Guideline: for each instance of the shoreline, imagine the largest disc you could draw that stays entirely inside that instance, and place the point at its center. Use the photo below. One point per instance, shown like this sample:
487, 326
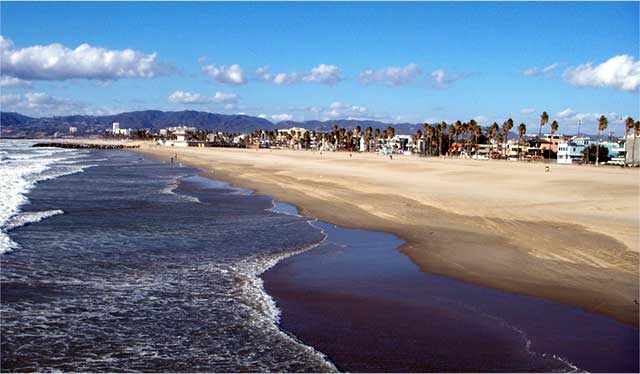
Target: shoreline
319, 301
536, 276
328, 304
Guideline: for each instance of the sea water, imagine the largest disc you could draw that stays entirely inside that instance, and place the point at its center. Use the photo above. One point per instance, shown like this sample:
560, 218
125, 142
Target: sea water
114, 262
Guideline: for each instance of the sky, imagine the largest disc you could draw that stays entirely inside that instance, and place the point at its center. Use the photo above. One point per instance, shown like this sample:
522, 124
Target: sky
393, 62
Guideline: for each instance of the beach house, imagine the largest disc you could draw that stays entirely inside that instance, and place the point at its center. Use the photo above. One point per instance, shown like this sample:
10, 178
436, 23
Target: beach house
632, 150
571, 151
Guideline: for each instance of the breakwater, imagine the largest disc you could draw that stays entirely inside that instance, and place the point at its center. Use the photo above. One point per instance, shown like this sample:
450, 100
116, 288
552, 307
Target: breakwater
85, 145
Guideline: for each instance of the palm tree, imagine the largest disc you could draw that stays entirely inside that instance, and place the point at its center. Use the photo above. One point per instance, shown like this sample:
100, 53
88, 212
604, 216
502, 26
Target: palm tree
602, 125
471, 128
458, 129
522, 129
418, 137
441, 127
506, 127
477, 132
554, 128
429, 130
493, 131
451, 132
636, 132
628, 125
544, 118
391, 132
427, 134
499, 138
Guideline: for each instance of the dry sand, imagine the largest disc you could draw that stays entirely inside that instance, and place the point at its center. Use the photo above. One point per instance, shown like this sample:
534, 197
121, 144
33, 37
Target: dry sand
570, 235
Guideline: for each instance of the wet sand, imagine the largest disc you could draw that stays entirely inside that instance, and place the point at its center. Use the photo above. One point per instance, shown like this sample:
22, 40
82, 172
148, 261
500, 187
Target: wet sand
570, 235
368, 307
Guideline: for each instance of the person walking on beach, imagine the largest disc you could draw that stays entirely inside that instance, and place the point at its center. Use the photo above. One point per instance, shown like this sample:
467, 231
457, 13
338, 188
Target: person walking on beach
172, 160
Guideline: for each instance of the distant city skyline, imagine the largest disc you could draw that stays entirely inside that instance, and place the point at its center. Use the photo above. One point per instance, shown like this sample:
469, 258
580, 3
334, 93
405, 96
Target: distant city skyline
406, 62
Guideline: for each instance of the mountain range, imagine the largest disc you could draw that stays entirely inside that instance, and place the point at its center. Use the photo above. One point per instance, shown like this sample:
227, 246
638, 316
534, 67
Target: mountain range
16, 124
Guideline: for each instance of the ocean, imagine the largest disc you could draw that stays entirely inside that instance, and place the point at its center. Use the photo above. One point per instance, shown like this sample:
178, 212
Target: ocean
110, 261
136, 265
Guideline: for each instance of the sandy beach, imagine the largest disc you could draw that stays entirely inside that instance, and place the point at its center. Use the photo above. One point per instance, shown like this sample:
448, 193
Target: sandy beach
568, 235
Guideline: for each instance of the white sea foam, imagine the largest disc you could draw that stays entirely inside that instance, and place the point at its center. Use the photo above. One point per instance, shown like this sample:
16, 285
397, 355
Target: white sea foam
256, 267
252, 268
21, 167
25, 218
170, 190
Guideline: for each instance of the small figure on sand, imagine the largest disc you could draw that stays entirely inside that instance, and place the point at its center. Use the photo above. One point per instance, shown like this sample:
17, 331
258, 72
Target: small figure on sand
172, 160
390, 157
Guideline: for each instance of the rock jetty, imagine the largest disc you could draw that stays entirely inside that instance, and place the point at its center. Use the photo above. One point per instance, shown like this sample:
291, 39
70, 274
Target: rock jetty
85, 145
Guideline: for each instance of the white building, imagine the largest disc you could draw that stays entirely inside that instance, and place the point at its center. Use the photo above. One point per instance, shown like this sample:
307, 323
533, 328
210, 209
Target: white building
632, 150
571, 151
73, 129
116, 130
402, 144
177, 128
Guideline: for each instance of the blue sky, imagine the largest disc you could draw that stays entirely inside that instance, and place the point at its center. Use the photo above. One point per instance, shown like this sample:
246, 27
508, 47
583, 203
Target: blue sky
406, 62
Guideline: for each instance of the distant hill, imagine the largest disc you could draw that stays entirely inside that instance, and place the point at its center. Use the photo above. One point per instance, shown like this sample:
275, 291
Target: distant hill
148, 119
15, 124
13, 119
18, 125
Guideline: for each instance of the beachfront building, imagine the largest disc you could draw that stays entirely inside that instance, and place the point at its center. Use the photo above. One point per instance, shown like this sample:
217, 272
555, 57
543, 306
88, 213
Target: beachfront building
632, 150
570, 152
117, 130
551, 142
615, 148
169, 130
402, 144
293, 138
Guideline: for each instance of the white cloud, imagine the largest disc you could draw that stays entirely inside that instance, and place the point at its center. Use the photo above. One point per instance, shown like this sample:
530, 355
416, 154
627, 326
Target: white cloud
222, 97
103, 83
565, 113
324, 74
480, 118
338, 110
391, 76
41, 104
228, 75
10, 100
57, 62
550, 68
547, 70
12, 82
182, 97
568, 119
281, 117
527, 110
442, 79
621, 72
